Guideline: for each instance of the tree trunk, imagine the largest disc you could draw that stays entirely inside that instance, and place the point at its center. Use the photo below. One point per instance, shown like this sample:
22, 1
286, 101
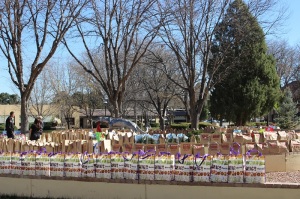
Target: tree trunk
161, 122
24, 115
194, 119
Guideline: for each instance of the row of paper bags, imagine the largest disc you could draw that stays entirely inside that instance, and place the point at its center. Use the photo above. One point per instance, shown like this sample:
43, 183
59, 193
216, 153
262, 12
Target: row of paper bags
138, 166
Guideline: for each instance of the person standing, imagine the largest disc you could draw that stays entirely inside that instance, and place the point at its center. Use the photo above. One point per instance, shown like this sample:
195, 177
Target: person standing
9, 125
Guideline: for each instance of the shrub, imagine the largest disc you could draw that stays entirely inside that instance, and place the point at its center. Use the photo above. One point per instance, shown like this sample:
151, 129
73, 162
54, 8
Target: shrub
180, 126
204, 124
154, 125
2, 127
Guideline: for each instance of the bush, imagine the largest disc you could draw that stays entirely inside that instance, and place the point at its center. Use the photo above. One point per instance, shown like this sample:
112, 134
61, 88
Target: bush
180, 126
204, 124
153, 125
2, 127
47, 126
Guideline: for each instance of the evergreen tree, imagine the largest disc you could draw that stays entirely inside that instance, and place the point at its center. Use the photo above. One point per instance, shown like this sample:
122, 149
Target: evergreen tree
287, 111
251, 84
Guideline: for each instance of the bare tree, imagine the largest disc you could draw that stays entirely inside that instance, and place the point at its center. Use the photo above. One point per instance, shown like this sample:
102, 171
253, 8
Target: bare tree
121, 32
41, 97
88, 96
64, 82
287, 61
157, 90
189, 32
30, 33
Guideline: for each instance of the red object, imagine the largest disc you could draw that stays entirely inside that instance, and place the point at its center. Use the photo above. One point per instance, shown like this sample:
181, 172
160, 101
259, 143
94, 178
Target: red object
269, 129
98, 127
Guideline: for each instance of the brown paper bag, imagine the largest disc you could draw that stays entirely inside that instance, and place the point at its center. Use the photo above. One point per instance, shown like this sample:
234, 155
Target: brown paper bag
127, 147
198, 149
274, 147
225, 148
117, 147
239, 138
138, 147
173, 149
205, 138
282, 136
295, 146
213, 148
216, 137
148, 147
227, 138
186, 148
161, 148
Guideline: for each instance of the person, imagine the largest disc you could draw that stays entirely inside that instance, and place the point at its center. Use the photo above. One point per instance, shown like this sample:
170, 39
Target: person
42, 122
9, 125
35, 130
99, 127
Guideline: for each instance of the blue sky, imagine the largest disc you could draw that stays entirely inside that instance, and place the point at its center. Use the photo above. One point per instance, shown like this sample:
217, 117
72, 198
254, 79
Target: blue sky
291, 30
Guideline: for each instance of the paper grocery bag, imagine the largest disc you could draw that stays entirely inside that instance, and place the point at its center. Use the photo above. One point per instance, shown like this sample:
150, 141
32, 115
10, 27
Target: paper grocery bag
72, 167
227, 138
146, 166
263, 148
255, 169
127, 147
42, 164
16, 163
225, 148
28, 164
216, 138
103, 166
205, 138
295, 145
150, 147
57, 165
184, 166
5, 162
213, 148
164, 166
198, 149
186, 148
88, 165
131, 165
117, 148
117, 165
235, 169
173, 149
219, 168
161, 148
201, 172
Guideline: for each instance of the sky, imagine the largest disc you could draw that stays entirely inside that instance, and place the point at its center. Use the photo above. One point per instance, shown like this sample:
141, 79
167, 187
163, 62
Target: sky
290, 33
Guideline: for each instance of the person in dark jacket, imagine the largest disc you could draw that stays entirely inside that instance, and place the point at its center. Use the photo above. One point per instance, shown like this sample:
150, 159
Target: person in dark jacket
9, 125
35, 130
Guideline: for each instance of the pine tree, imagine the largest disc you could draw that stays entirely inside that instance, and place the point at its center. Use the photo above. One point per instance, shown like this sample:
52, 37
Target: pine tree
251, 84
287, 111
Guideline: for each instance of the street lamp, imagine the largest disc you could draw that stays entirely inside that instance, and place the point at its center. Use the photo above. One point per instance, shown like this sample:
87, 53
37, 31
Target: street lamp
105, 104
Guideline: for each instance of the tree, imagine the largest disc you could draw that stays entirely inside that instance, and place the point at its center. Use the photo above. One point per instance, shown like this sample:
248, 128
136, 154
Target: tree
41, 96
287, 61
157, 90
251, 88
188, 31
287, 111
119, 33
30, 34
6, 98
65, 82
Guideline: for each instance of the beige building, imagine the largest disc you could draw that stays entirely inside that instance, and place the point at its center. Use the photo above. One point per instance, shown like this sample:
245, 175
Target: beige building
50, 113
